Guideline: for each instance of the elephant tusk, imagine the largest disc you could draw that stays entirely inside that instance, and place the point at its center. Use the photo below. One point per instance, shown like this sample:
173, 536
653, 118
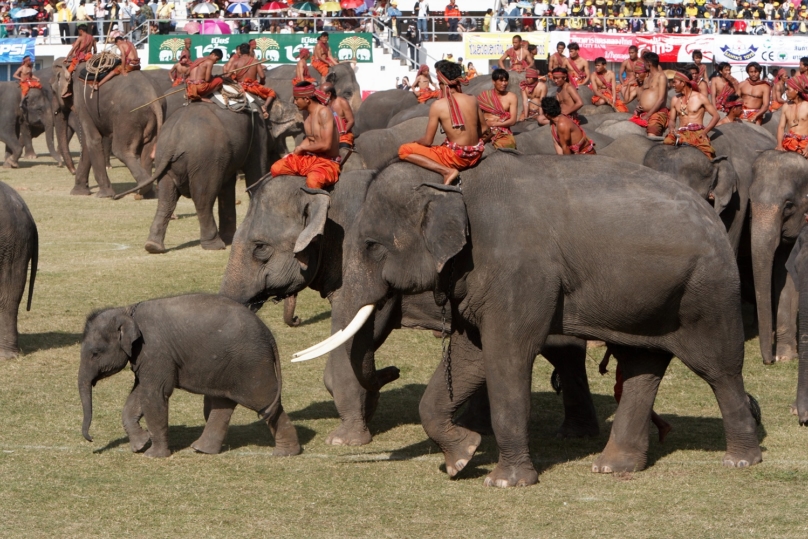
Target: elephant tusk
337, 339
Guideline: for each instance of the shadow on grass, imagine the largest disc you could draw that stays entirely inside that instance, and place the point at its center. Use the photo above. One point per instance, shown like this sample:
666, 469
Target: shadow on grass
319, 317
34, 342
185, 245
182, 436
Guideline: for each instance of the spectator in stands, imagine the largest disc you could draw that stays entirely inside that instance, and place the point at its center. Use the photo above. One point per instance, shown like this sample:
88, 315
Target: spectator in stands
63, 17
100, 13
452, 16
487, 20
164, 17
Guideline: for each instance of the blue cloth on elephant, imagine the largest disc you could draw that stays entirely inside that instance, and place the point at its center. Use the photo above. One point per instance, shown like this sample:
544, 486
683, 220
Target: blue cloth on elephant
797, 259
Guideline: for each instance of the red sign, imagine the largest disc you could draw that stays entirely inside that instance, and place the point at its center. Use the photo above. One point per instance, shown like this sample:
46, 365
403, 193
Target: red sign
614, 47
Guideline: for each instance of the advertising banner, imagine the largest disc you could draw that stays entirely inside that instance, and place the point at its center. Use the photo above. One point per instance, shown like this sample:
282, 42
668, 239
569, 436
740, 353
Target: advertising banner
491, 46
765, 50
614, 47
13, 50
270, 48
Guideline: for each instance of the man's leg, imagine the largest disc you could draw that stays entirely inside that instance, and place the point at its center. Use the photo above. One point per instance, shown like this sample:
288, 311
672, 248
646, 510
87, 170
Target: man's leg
449, 174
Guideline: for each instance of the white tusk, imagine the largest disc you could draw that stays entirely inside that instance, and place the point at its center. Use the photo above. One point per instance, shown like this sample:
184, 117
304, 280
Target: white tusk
337, 339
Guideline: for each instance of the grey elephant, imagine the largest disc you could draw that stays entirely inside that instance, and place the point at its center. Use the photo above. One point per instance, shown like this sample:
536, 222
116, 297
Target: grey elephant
778, 204
19, 245
109, 112
515, 263
202, 343
797, 265
20, 122
292, 237
539, 141
205, 170
380, 107
342, 75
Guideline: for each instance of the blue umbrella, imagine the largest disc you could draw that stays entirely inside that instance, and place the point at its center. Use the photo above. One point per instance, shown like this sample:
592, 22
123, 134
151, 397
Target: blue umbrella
524, 4
239, 9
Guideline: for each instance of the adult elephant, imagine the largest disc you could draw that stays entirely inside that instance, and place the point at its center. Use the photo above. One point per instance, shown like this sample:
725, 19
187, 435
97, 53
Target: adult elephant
292, 237
19, 123
798, 271
108, 112
380, 107
515, 262
539, 141
19, 245
778, 203
342, 75
194, 166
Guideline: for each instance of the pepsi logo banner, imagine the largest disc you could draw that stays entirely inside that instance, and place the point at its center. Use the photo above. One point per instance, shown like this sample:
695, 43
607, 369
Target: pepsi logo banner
13, 50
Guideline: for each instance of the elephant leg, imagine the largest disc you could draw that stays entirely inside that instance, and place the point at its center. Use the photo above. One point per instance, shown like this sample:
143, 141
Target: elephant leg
26, 140
154, 404
208, 231
131, 158
286, 442
92, 152
146, 158
9, 347
786, 332
106, 145
437, 408
13, 149
81, 186
289, 305
227, 211
166, 204
568, 356
132, 412
218, 412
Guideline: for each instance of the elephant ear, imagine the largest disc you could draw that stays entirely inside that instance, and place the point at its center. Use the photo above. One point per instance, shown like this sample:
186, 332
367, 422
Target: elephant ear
444, 222
128, 332
725, 183
315, 213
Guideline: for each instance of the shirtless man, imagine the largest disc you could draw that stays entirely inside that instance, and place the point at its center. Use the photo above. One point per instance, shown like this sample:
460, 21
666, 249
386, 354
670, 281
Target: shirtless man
702, 69
558, 59
688, 107
25, 74
652, 94
423, 87
628, 88
317, 157
343, 117
803, 68
778, 89
694, 73
577, 67
734, 105
81, 51
792, 132
461, 119
566, 95
200, 82
568, 137
302, 68
228, 65
723, 86
603, 87
518, 56
129, 61
322, 55
249, 72
499, 108
186, 51
533, 90
179, 71
756, 94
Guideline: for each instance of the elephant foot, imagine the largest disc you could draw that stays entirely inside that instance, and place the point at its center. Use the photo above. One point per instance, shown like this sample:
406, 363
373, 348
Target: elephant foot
105, 192
207, 446
10, 163
148, 195
80, 190
613, 460
349, 435
215, 244
785, 352
9, 354
742, 459
138, 441
158, 452
512, 476
154, 247
30, 155
459, 455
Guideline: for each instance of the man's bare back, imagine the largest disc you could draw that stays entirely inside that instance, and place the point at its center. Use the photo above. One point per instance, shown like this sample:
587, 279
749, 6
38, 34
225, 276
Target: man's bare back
255, 71
468, 135
318, 132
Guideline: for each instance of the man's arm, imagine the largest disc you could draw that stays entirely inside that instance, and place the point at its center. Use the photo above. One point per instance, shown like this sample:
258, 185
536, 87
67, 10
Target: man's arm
764, 107
16, 74
208, 71
672, 116
622, 70
587, 73
597, 89
714, 92
348, 112
501, 61
524, 105
485, 132
711, 110
173, 73
262, 77
513, 106
431, 126
577, 103
781, 127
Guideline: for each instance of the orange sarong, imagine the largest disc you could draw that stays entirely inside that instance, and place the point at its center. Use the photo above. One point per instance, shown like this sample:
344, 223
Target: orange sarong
26, 85
795, 143
503, 138
776, 105
128, 68
319, 171
692, 135
197, 89
178, 81
320, 66
254, 87
655, 125
425, 95
748, 114
619, 106
447, 154
346, 139
77, 59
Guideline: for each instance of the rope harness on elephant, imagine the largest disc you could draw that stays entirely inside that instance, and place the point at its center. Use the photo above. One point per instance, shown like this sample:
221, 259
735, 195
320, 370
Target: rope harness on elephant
101, 62
234, 97
446, 346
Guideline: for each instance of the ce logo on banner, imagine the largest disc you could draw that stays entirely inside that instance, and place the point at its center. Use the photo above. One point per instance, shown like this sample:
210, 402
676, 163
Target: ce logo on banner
767, 56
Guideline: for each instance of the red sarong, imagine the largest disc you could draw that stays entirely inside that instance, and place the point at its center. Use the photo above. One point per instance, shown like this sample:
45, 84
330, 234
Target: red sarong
447, 154
26, 85
320, 66
795, 143
748, 114
775, 106
128, 68
655, 125
319, 171
490, 103
178, 81
578, 75
77, 59
254, 87
425, 95
692, 135
197, 89
619, 106
346, 138
585, 147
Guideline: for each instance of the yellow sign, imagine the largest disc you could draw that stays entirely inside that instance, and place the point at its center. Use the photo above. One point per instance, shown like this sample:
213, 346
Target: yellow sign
488, 46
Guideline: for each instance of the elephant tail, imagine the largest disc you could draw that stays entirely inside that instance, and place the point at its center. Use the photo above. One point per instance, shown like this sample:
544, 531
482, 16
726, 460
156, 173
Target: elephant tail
157, 109
271, 412
34, 262
160, 168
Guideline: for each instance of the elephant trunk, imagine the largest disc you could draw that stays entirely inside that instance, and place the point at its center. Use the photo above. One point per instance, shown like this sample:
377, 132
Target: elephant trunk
61, 127
765, 231
86, 392
802, 378
48, 121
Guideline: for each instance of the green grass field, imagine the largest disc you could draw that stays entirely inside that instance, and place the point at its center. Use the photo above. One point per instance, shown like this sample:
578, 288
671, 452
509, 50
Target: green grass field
55, 484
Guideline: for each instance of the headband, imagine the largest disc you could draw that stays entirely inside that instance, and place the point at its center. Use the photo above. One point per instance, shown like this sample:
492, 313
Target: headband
731, 104
531, 73
687, 80
322, 97
304, 53
423, 70
799, 83
304, 90
455, 113
639, 67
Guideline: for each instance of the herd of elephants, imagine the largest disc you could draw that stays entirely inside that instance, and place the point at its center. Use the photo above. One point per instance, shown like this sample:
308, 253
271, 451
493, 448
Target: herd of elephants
650, 248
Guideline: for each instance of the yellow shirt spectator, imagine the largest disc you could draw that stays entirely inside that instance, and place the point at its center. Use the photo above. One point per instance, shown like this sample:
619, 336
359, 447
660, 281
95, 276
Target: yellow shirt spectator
691, 11
63, 14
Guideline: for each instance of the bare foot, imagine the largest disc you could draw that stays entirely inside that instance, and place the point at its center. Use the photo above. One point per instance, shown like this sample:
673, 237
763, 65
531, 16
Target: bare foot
265, 113
448, 179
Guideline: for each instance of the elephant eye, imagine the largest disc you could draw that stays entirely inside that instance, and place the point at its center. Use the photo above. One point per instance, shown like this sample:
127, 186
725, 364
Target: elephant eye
262, 251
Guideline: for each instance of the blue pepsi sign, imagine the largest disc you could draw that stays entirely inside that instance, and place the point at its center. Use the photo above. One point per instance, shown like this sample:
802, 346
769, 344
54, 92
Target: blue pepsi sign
13, 50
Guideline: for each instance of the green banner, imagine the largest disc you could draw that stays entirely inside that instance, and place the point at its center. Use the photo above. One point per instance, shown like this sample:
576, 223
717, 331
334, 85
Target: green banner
270, 48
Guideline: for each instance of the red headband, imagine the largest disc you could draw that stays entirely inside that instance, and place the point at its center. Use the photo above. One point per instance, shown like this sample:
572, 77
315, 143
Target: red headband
639, 67
423, 70
732, 104
304, 90
684, 78
304, 53
531, 73
322, 97
800, 84
455, 113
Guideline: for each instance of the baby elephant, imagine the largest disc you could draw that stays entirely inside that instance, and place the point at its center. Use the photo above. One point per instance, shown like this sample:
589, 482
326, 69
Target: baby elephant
201, 343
